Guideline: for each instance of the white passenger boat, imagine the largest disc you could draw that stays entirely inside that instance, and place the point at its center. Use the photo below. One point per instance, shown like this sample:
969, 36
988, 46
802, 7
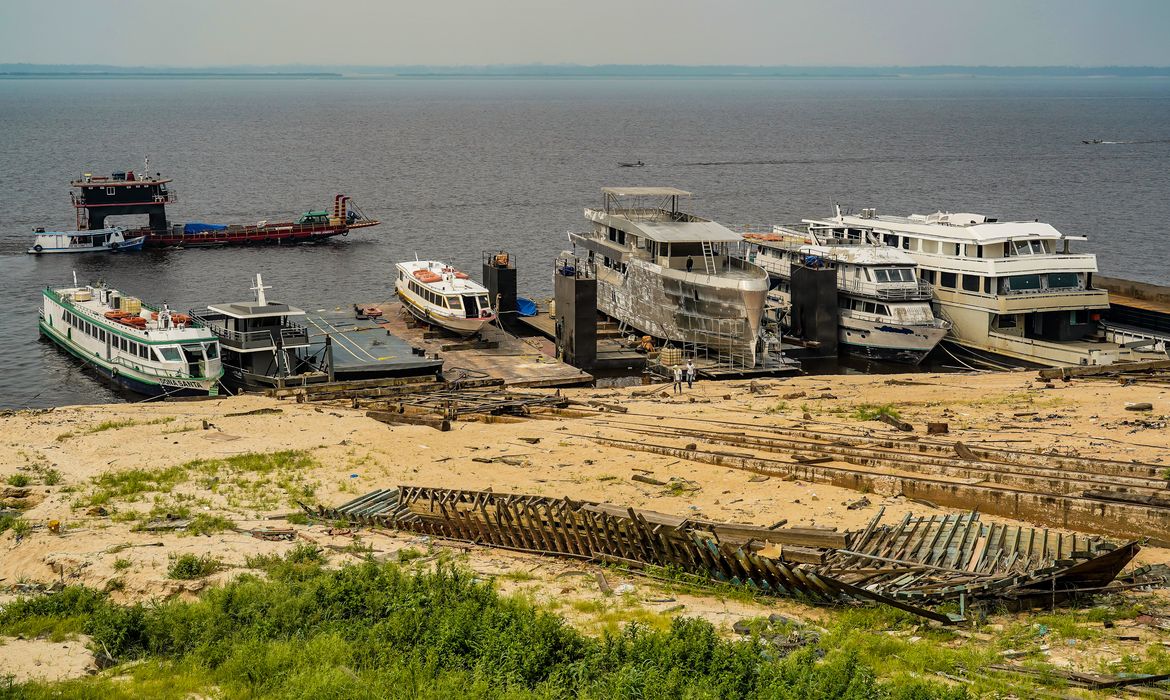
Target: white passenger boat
883, 308
670, 274
1011, 289
152, 351
442, 296
101, 240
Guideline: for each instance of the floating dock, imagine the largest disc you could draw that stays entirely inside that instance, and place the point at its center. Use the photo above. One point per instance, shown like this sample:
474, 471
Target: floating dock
363, 349
495, 354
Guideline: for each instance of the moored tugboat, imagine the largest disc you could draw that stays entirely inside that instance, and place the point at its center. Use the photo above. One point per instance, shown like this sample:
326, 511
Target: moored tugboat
121, 193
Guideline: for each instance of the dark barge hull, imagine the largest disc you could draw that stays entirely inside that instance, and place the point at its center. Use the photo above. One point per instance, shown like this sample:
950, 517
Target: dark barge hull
271, 234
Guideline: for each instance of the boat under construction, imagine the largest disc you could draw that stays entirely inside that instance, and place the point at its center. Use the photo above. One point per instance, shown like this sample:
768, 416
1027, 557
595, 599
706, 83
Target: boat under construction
128, 193
671, 275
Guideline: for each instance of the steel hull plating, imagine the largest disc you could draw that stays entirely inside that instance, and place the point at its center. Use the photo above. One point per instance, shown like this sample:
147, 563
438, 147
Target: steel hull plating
682, 308
125, 380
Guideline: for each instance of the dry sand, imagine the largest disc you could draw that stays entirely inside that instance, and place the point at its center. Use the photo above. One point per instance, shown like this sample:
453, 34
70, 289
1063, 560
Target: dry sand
355, 454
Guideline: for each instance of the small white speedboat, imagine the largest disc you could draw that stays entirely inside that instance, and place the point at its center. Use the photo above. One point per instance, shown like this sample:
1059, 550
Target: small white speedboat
442, 296
102, 240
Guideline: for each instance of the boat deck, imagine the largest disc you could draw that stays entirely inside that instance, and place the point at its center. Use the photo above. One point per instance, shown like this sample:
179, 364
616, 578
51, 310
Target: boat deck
503, 356
363, 349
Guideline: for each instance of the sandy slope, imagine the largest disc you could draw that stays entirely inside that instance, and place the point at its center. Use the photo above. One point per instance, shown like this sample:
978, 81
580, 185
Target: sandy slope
355, 454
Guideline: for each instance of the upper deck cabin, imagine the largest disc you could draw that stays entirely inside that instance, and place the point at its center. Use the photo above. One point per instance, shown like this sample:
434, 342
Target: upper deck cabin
863, 267
646, 224
257, 324
121, 193
1007, 266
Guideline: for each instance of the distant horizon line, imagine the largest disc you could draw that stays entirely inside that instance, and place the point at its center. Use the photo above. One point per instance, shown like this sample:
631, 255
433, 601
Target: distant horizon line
581, 70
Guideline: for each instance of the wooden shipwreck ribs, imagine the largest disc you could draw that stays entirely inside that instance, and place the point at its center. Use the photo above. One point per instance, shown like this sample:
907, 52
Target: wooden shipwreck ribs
916, 565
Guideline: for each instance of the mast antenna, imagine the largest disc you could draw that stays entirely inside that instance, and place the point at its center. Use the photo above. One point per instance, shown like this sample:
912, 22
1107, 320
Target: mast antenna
261, 300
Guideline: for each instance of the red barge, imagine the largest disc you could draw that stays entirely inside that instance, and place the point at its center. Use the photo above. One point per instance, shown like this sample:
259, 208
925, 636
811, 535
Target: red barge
124, 193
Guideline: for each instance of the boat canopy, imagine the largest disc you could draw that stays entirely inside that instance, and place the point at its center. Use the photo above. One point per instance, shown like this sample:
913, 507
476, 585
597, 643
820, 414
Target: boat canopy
200, 227
644, 192
684, 231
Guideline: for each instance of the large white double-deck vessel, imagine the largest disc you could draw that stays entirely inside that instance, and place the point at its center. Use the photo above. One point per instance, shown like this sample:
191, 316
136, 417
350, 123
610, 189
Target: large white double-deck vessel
883, 308
152, 351
671, 274
442, 296
1011, 289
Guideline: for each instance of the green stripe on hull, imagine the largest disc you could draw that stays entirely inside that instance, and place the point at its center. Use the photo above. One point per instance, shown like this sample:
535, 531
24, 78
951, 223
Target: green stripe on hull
110, 367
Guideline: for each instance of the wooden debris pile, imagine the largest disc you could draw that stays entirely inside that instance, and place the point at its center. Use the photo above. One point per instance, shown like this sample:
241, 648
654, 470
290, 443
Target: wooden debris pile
915, 565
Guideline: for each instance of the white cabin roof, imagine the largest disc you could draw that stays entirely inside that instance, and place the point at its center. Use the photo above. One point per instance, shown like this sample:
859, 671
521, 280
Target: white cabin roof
956, 227
251, 309
448, 282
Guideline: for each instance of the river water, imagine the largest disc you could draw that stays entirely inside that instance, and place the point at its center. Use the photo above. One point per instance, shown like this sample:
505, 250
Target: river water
454, 167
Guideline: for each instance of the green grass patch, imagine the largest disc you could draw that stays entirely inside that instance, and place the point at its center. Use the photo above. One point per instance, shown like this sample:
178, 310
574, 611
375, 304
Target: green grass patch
130, 484
113, 425
188, 567
869, 411
204, 524
18, 480
258, 481
375, 630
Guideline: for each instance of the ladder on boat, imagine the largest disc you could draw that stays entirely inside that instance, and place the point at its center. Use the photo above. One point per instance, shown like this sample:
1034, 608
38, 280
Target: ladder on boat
708, 257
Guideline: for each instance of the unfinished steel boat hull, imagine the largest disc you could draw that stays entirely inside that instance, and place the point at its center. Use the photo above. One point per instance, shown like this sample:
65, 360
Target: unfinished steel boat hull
686, 308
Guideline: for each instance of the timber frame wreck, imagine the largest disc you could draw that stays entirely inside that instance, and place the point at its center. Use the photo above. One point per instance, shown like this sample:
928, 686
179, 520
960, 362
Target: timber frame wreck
916, 565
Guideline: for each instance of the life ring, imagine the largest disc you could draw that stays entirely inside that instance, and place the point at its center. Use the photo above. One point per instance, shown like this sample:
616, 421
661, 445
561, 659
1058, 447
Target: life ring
38, 248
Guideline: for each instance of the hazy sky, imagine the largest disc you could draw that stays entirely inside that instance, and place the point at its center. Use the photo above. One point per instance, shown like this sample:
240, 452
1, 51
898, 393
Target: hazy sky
693, 32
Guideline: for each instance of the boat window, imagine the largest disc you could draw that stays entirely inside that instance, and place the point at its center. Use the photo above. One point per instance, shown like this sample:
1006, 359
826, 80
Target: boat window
211, 350
870, 307
987, 282
455, 303
693, 249
883, 309
1006, 321
971, 283
1021, 282
483, 302
1062, 280
868, 278
928, 276
170, 354
905, 243
1028, 247
947, 279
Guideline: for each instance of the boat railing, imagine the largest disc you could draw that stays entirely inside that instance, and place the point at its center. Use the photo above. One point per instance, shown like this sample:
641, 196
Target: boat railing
215, 323
920, 291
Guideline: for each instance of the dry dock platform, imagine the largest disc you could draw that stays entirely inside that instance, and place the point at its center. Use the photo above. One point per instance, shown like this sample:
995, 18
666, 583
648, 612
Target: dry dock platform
496, 354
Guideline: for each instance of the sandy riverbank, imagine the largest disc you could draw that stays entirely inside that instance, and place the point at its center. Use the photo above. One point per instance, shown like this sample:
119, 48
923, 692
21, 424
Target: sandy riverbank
104, 472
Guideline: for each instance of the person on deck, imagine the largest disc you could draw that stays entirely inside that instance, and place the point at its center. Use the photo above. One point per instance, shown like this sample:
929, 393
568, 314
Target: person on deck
690, 263
690, 373
678, 377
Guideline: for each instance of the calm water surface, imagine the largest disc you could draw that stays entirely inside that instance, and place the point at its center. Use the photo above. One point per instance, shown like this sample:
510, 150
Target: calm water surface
455, 167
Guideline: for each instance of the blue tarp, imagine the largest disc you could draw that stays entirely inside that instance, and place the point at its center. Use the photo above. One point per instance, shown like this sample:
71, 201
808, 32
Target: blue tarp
525, 307
200, 227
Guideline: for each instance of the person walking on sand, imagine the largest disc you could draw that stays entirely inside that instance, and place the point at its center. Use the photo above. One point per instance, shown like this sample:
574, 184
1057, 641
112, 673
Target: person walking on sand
690, 373
678, 376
